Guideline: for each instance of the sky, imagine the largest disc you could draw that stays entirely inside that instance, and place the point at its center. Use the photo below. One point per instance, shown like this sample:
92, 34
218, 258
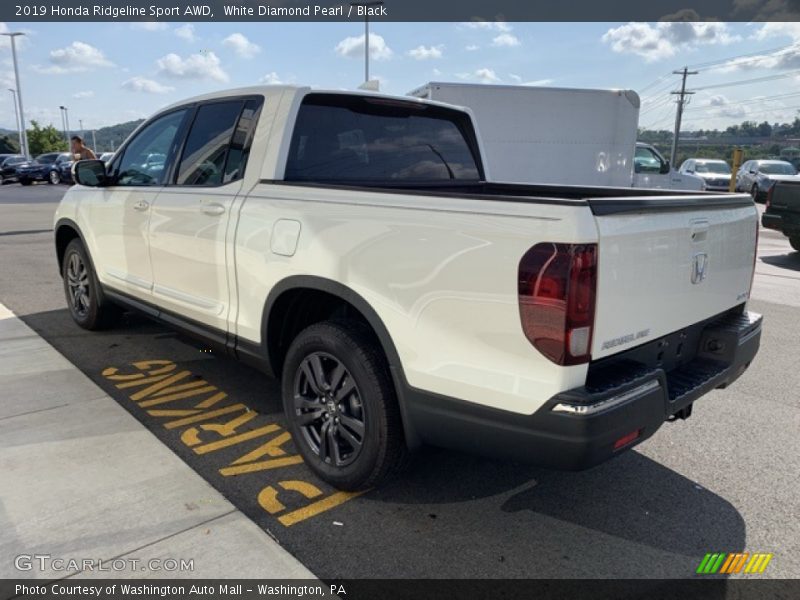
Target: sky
107, 73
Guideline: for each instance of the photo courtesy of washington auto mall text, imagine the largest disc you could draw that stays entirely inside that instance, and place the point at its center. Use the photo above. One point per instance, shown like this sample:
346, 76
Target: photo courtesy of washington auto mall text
399, 299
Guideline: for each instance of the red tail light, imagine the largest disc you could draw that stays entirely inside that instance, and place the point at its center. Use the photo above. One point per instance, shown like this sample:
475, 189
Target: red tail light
556, 289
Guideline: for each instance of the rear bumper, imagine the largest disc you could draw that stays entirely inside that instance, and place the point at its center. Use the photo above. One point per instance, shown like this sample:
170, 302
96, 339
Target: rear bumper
787, 224
579, 428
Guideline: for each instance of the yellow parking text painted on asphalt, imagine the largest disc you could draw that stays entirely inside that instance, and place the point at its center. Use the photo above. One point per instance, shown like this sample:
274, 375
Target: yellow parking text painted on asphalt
206, 421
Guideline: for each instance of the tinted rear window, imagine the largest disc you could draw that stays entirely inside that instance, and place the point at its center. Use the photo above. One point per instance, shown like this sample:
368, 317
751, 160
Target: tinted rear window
353, 138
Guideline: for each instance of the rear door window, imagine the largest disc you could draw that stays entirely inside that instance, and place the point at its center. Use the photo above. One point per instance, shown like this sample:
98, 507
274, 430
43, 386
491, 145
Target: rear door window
203, 160
355, 138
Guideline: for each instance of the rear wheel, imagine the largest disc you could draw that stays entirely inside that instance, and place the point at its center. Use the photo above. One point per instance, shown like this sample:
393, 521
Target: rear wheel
341, 405
25, 181
54, 178
83, 290
795, 242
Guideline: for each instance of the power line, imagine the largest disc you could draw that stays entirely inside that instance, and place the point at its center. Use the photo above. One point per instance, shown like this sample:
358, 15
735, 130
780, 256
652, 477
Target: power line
757, 55
748, 81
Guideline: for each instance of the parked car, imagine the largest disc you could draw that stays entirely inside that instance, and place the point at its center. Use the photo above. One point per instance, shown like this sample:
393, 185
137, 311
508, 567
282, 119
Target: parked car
37, 169
353, 246
652, 170
716, 173
8, 168
757, 176
61, 169
782, 211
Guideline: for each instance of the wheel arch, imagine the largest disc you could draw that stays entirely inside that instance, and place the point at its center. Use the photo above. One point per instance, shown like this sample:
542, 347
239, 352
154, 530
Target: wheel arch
281, 296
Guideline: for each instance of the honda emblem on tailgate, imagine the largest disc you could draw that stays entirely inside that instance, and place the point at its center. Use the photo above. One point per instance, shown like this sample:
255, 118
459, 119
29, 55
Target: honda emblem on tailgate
699, 265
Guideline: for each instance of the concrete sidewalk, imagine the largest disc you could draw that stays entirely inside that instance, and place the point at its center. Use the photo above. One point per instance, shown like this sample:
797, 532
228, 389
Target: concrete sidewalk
82, 479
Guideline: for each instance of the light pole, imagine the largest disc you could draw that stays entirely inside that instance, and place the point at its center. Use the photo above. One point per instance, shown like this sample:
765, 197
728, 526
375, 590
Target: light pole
65, 123
366, 6
16, 116
23, 141
80, 127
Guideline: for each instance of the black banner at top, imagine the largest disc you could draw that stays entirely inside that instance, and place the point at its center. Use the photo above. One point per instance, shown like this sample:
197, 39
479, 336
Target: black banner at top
399, 10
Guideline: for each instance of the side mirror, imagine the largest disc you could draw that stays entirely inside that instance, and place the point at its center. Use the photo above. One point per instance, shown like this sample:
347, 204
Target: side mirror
665, 168
91, 173
690, 171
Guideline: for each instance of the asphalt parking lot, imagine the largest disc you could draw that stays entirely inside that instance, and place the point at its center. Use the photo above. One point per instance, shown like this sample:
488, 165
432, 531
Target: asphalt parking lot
723, 481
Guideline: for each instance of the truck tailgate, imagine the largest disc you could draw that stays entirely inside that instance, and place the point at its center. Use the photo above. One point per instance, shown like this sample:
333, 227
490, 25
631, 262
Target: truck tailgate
666, 263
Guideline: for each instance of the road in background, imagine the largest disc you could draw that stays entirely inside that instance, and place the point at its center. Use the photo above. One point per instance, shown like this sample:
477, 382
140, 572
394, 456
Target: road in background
723, 481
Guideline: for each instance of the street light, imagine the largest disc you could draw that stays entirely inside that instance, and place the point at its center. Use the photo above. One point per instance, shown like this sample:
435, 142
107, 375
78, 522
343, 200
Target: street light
65, 123
366, 5
23, 141
16, 116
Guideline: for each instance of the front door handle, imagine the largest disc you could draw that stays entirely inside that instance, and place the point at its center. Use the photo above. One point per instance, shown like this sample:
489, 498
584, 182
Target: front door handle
141, 205
213, 209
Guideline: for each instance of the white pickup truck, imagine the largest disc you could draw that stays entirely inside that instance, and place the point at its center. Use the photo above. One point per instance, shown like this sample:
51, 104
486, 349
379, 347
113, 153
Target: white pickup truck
355, 246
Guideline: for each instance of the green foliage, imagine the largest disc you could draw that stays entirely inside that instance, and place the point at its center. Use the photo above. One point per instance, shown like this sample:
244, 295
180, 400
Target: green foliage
45, 139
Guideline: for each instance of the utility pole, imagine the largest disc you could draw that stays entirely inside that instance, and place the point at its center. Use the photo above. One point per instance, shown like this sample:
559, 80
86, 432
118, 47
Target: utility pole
16, 116
94, 142
682, 101
23, 140
63, 110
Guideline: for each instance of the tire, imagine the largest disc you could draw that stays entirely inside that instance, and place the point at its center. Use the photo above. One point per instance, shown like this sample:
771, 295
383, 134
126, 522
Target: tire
25, 181
82, 290
345, 421
2, 180
54, 178
795, 242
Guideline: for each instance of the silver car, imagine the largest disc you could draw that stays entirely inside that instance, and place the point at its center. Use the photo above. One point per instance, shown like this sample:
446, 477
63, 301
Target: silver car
716, 173
758, 176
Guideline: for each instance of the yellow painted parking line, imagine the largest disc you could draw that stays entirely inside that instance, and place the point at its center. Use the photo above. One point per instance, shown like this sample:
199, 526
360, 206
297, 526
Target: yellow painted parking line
197, 414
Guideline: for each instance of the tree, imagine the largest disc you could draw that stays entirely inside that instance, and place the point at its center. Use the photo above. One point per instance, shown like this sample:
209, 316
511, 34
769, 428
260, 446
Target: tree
44, 139
8, 145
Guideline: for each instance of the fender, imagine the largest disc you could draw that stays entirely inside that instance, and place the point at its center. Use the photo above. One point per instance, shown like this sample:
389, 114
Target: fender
66, 222
340, 290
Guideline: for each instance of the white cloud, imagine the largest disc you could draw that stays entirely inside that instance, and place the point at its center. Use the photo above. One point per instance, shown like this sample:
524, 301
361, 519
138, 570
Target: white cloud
353, 47
147, 86
186, 32
271, 78
482, 75
426, 52
515, 77
488, 25
472, 48
536, 82
786, 58
436, 72
241, 45
203, 65
506, 40
75, 58
149, 26
664, 39
84, 94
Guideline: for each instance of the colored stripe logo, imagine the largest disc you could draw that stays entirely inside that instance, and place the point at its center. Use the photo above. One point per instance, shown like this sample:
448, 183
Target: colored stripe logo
734, 562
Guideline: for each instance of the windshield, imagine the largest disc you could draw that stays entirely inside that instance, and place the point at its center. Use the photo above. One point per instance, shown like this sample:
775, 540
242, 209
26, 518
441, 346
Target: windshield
713, 167
781, 168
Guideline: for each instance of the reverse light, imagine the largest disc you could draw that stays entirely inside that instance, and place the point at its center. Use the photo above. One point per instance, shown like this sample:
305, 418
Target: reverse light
556, 292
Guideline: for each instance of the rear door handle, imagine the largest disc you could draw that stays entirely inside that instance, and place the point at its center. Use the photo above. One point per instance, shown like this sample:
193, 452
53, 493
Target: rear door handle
213, 209
141, 205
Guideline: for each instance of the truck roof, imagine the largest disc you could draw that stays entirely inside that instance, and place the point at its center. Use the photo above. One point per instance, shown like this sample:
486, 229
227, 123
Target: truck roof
276, 90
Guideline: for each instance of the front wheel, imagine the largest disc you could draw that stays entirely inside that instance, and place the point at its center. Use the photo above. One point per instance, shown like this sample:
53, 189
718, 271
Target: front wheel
55, 178
341, 405
25, 181
795, 242
83, 290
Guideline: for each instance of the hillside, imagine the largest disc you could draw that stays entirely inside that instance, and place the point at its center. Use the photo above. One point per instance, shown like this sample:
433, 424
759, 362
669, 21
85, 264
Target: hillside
108, 138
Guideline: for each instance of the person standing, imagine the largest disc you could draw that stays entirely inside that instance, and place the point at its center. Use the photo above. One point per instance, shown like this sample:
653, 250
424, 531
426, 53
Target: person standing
79, 150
